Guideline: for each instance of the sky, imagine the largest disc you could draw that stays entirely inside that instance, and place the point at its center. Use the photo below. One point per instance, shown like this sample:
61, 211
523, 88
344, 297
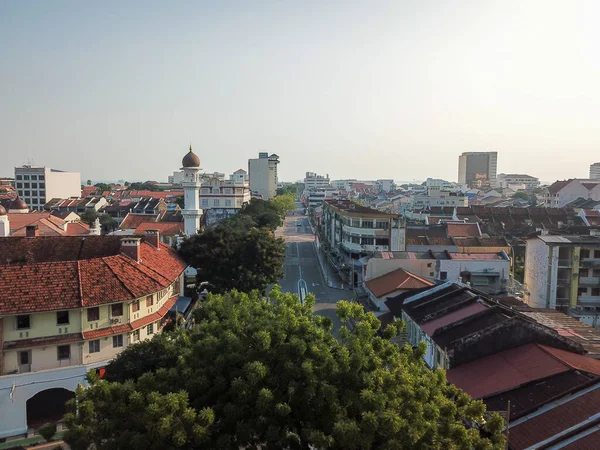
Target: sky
371, 89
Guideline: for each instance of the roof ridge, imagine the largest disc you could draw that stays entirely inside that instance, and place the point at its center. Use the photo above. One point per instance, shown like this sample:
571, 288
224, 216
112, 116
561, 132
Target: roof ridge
545, 348
150, 268
115, 273
79, 286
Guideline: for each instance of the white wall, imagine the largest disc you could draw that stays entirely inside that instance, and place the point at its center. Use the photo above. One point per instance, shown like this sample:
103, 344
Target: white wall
536, 273
62, 184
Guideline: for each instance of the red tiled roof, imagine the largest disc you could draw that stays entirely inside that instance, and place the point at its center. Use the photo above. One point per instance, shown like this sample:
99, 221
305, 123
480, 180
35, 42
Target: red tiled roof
557, 419
48, 225
590, 186
591, 213
132, 221
463, 230
36, 342
555, 187
47, 275
430, 327
102, 332
511, 368
397, 279
166, 228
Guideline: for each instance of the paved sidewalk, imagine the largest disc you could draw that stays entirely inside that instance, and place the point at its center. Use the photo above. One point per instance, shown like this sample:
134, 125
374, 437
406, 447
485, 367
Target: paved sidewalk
332, 279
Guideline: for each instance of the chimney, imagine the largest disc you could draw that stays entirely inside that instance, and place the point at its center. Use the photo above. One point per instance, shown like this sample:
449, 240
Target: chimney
130, 247
32, 231
152, 237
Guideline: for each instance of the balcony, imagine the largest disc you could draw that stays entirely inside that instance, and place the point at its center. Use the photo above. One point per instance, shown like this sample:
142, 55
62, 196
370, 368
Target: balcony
589, 281
590, 262
371, 232
588, 300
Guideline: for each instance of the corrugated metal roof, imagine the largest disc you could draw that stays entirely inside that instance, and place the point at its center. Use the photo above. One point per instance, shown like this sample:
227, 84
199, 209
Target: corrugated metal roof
505, 370
430, 327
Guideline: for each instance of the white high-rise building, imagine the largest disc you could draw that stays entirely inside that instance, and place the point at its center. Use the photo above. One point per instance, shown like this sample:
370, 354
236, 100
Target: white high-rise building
476, 167
191, 193
263, 175
595, 171
314, 181
38, 185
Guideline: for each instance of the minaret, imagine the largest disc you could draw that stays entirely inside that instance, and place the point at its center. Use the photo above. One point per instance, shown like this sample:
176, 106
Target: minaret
191, 192
4, 223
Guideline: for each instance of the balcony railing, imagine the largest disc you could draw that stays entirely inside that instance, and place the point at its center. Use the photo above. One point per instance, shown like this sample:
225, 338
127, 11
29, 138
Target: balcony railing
589, 281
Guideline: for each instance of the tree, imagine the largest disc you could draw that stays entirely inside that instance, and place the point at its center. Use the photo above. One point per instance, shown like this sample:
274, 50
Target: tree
235, 255
89, 216
267, 373
89, 182
108, 223
283, 203
145, 186
47, 431
264, 214
179, 200
103, 187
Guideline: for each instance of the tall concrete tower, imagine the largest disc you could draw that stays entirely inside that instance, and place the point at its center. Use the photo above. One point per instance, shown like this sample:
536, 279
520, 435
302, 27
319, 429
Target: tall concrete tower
191, 192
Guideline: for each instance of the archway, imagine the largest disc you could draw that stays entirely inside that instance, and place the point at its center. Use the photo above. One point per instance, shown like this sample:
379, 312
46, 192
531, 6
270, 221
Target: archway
47, 406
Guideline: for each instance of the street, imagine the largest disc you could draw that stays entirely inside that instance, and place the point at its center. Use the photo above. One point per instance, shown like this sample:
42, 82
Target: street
302, 272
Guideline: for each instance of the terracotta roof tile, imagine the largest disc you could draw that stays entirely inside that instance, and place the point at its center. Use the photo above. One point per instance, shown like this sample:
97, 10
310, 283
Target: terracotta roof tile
395, 280
102, 332
132, 221
165, 228
463, 230
47, 274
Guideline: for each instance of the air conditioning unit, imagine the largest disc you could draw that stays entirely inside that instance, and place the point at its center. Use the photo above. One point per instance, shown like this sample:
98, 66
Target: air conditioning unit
114, 320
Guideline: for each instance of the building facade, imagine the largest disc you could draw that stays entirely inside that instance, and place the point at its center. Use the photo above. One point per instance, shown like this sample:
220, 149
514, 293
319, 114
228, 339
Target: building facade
563, 272
350, 231
313, 181
86, 300
262, 172
595, 171
437, 196
475, 167
509, 180
37, 185
561, 193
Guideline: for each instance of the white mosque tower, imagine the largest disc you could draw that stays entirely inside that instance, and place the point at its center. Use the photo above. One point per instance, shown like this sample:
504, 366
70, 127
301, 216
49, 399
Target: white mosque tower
191, 191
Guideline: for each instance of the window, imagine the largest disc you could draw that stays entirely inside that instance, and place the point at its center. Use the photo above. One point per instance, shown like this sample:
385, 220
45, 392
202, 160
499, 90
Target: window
367, 241
23, 322
596, 292
26, 193
205, 202
583, 273
94, 346
443, 275
136, 335
367, 224
582, 291
116, 309
64, 352
41, 177
596, 273
93, 314
150, 329
216, 191
34, 177
19, 177
227, 202
118, 341
26, 186
217, 202
19, 186
135, 306
62, 317
23, 357
585, 253
26, 177
33, 185
149, 301
206, 190
42, 185
227, 191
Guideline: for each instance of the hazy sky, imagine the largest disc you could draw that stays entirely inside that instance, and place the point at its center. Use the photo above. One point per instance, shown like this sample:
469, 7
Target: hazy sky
365, 89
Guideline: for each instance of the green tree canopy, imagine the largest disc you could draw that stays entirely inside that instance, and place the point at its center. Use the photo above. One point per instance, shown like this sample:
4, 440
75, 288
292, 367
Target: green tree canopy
235, 255
266, 374
89, 216
283, 203
103, 187
108, 223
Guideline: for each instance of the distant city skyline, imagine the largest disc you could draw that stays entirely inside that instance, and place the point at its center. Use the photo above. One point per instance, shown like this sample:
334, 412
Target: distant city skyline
356, 89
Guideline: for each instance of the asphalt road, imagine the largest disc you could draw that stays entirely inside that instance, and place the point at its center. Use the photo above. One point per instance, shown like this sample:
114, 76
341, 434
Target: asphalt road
302, 271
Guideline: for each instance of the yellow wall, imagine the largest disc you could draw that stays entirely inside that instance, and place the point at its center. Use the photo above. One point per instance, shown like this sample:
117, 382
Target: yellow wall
41, 325
42, 358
